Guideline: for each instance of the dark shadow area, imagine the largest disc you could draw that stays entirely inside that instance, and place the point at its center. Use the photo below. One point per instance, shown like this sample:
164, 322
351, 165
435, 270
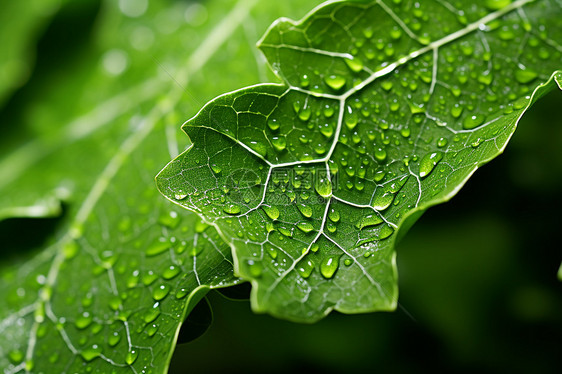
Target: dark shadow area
21, 236
66, 38
477, 274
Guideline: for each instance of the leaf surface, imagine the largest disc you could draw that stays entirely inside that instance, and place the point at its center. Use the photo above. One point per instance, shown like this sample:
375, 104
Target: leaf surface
112, 286
387, 108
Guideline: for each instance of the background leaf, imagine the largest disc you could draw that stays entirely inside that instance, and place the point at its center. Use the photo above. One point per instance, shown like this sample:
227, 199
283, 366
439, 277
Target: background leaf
309, 181
121, 269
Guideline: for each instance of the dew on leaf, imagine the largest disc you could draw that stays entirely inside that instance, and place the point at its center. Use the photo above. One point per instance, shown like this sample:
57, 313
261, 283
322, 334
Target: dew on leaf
91, 353
255, 268
305, 268
305, 227
231, 209
131, 356
161, 292
328, 266
473, 121
428, 162
335, 82
369, 220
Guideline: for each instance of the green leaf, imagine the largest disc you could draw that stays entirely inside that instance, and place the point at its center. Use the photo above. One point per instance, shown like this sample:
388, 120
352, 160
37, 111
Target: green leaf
17, 37
386, 109
111, 287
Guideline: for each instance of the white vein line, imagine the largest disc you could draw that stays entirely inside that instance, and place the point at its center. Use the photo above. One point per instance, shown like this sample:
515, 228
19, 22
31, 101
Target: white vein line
397, 20
434, 70
364, 206
311, 50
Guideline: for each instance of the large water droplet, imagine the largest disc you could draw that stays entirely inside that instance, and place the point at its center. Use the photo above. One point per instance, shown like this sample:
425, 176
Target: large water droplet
90, 353
329, 266
271, 211
323, 186
305, 268
335, 82
472, 122
255, 268
525, 76
369, 220
305, 227
428, 162
131, 356
231, 209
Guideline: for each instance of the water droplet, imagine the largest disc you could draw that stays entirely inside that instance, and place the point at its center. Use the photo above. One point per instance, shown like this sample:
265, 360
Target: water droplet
273, 124
335, 82
151, 314
442, 142
456, 110
525, 76
279, 143
472, 122
305, 210
385, 232
348, 262
323, 186
255, 268
369, 220
171, 272
180, 196
70, 249
329, 266
161, 292
169, 219
114, 339
327, 130
149, 277
354, 64
231, 209
497, 4
305, 227
271, 211
334, 215
382, 199
16, 356
305, 268
351, 118
380, 154
158, 247
83, 321
115, 303
90, 353
216, 169
305, 81
428, 162
131, 357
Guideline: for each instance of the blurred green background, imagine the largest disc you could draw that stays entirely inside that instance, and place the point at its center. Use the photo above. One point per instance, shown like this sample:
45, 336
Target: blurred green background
478, 285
